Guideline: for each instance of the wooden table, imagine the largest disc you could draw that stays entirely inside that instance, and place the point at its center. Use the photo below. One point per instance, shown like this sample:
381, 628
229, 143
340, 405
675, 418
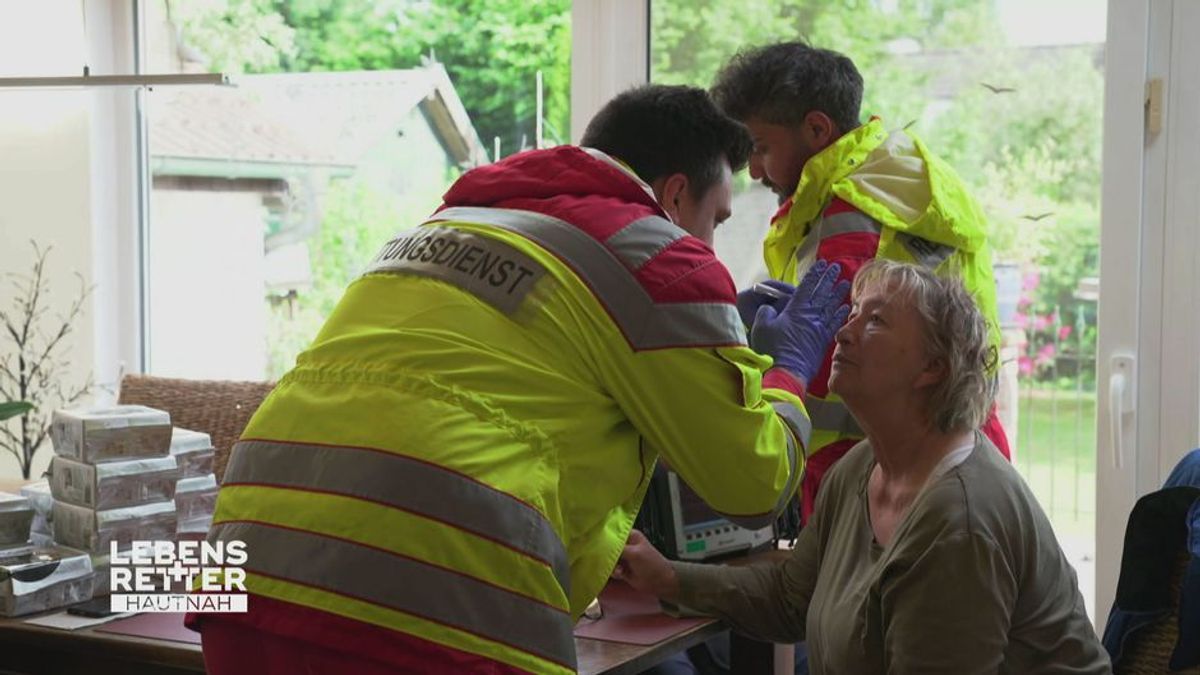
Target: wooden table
748, 657
599, 657
35, 650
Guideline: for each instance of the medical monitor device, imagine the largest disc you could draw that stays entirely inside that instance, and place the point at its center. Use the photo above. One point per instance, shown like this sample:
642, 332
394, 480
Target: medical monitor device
682, 527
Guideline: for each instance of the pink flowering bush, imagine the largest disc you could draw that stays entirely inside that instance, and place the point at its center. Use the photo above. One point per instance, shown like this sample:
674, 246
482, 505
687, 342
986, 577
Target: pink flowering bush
1049, 335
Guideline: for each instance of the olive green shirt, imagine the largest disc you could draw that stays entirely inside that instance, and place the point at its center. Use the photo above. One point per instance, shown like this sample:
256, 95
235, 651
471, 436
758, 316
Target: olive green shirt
973, 581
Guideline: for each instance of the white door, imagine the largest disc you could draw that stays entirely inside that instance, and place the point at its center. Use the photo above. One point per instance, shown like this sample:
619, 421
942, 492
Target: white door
1148, 377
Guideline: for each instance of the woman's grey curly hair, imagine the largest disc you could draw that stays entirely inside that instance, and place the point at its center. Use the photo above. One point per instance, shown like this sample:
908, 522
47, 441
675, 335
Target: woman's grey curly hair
956, 335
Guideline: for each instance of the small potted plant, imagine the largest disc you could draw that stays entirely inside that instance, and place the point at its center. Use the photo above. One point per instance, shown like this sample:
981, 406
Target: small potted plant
35, 362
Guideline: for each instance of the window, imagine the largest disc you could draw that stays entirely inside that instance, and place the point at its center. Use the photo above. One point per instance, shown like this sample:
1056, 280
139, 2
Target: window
1011, 95
346, 125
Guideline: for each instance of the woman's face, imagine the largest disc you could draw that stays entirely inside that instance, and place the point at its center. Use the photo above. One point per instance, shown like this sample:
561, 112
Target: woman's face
880, 355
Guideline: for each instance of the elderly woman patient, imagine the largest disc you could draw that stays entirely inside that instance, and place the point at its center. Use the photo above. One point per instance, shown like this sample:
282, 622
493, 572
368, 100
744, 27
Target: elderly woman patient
927, 553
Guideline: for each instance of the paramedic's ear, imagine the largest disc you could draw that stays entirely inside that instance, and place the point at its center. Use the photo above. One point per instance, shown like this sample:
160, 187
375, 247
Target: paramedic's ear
669, 192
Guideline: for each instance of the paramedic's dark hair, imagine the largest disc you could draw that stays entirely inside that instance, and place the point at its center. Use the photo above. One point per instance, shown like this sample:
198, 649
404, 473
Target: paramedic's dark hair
783, 82
660, 130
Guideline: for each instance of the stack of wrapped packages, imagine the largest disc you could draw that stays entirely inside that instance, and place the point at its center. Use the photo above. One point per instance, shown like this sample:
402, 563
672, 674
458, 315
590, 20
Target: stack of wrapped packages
42, 501
16, 521
113, 480
38, 577
196, 491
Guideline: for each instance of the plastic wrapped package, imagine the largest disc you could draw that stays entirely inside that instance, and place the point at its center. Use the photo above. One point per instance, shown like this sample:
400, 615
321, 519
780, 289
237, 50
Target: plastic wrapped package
92, 531
41, 538
113, 484
16, 519
109, 434
39, 496
45, 578
196, 498
16, 551
193, 451
194, 528
42, 501
101, 575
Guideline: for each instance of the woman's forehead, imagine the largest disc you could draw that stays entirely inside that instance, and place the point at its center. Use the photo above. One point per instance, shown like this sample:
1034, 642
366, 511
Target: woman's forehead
882, 293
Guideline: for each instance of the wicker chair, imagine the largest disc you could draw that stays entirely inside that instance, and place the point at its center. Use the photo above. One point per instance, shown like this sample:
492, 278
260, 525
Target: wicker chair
218, 408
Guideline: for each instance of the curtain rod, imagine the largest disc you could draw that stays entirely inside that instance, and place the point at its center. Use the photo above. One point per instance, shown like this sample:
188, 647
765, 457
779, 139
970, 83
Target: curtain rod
116, 80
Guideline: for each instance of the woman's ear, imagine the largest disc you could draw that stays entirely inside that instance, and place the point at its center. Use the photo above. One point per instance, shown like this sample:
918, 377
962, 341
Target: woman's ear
935, 371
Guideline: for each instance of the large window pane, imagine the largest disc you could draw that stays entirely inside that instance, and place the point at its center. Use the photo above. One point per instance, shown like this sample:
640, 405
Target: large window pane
348, 122
1010, 94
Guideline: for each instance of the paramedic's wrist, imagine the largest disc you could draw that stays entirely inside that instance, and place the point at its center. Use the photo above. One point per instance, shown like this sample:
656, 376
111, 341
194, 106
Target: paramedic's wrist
779, 377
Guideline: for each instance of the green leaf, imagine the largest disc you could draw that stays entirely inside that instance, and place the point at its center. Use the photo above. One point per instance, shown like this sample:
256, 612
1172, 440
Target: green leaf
13, 408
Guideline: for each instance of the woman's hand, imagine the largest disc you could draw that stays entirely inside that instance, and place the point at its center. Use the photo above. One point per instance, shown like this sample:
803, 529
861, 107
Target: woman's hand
644, 568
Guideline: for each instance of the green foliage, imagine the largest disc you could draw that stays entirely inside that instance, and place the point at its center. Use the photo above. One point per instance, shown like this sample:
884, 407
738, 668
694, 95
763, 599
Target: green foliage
358, 219
235, 35
492, 49
1055, 108
1027, 152
1030, 155
13, 408
692, 39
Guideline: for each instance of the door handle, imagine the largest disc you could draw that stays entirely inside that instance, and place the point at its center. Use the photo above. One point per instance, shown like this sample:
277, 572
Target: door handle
1121, 398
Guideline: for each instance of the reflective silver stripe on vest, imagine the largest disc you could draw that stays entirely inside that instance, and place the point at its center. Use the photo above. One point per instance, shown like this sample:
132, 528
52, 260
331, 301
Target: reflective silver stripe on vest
806, 254
802, 430
645, 324
405, 483
929, 254
831, 416
395, 582
847, 222
638, 242
800, 425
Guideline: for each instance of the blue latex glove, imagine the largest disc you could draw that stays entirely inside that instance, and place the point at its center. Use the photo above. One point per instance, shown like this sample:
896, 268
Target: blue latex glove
798, 336
749, 300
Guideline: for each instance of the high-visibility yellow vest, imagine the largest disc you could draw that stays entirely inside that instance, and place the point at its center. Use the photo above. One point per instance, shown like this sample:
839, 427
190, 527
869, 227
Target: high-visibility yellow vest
460, 454
917, 205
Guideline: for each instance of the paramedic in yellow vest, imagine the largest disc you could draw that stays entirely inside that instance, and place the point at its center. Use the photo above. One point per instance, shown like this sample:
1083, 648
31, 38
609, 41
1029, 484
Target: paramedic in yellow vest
446, 478
848, 192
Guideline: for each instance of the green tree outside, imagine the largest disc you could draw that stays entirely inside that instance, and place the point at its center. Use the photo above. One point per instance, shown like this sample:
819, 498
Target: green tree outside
1027, 152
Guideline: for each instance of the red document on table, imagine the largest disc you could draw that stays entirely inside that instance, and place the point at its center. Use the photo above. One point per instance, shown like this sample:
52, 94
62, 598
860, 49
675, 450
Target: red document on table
632, 617
161, 626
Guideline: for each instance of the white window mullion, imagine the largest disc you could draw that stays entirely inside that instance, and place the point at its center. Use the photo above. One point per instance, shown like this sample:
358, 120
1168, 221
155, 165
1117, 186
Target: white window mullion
1131, 214
114, 188
1180, 387
610, 52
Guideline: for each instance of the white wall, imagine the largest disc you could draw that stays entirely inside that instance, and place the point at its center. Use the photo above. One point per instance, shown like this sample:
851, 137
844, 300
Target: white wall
45, 183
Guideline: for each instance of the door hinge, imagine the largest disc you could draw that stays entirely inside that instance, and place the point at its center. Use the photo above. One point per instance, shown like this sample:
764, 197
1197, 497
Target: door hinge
1154, 105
